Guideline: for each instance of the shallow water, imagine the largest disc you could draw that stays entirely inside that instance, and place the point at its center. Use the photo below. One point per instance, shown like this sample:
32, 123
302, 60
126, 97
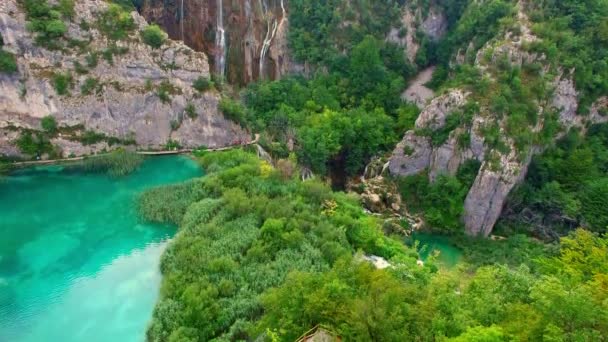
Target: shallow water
449, 255
75, 262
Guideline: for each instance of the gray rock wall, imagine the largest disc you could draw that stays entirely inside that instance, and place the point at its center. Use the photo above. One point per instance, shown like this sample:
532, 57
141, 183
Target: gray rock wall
128, 105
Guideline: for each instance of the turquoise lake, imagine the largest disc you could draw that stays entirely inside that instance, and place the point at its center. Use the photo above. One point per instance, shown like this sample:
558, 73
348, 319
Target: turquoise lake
449, 255
76, 264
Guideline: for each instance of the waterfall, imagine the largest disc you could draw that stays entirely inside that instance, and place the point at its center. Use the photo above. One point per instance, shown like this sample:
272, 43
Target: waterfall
284, 15
220, 40
270, 32
181, 20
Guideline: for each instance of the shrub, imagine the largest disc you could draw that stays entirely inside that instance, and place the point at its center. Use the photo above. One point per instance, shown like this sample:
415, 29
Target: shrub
116, 22
91, 137
34, 144
154, 36
92, 59
80, 69
62, 82
49, 124
8, 64
232, 110
165, 90
202, 84
66, 8
191, 111
175, 124
90, 85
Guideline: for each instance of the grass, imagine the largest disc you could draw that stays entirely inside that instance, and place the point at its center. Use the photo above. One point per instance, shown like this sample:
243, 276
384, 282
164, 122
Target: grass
118, 163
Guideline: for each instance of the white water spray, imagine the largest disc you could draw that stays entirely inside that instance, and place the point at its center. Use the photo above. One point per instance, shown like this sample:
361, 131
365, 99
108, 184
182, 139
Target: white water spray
271, 30
220, 40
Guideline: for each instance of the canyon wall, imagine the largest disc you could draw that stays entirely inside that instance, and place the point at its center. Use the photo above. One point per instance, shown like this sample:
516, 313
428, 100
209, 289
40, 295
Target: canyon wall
124, 101
246, 40
500, 171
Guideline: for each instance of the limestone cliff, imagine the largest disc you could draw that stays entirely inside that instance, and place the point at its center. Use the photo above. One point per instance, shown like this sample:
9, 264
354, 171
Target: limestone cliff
116, 96
502, 168
246, 39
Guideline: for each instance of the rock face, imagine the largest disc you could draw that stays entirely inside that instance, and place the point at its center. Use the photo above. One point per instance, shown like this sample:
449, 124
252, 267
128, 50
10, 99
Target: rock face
246, 39
434, 26
415, 152
124, 103
500, 171
417, 92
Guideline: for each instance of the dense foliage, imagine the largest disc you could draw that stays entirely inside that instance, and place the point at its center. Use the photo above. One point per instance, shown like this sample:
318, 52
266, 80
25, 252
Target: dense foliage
336, 120
262, 254
244, 228
566, 187
48, 21
575, 38
439, 202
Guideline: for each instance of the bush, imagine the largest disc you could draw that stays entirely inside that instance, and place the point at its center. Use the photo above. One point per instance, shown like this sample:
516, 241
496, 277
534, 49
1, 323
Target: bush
191, 111
62, 82
8, 63
202, 84
34, 144
90, 85
232, 110
165, 90
116, 23
91, 137
154, 36
49, 124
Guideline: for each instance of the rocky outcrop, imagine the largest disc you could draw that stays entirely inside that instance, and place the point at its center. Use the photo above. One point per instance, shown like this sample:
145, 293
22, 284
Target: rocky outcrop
434, 26
124, 101
415, 152
246, 39
500, 170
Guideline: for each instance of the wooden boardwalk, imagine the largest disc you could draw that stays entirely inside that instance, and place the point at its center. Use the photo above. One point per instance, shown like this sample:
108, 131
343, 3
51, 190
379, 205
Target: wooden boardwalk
143, 153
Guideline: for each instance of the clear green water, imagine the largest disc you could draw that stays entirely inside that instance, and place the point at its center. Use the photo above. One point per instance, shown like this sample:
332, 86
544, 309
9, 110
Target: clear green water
449, 255
75, 262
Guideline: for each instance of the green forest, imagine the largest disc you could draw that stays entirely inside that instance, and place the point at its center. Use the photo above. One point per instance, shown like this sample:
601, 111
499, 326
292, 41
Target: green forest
262, 253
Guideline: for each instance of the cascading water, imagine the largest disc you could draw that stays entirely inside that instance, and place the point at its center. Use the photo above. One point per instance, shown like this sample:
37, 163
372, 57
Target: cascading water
220, 40
270, 33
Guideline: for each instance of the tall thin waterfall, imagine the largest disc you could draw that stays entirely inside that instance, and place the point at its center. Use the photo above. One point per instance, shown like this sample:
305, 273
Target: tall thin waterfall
270, 32
220, 40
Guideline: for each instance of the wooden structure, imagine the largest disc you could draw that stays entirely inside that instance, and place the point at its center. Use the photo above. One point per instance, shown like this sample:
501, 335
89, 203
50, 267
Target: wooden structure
319, 334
